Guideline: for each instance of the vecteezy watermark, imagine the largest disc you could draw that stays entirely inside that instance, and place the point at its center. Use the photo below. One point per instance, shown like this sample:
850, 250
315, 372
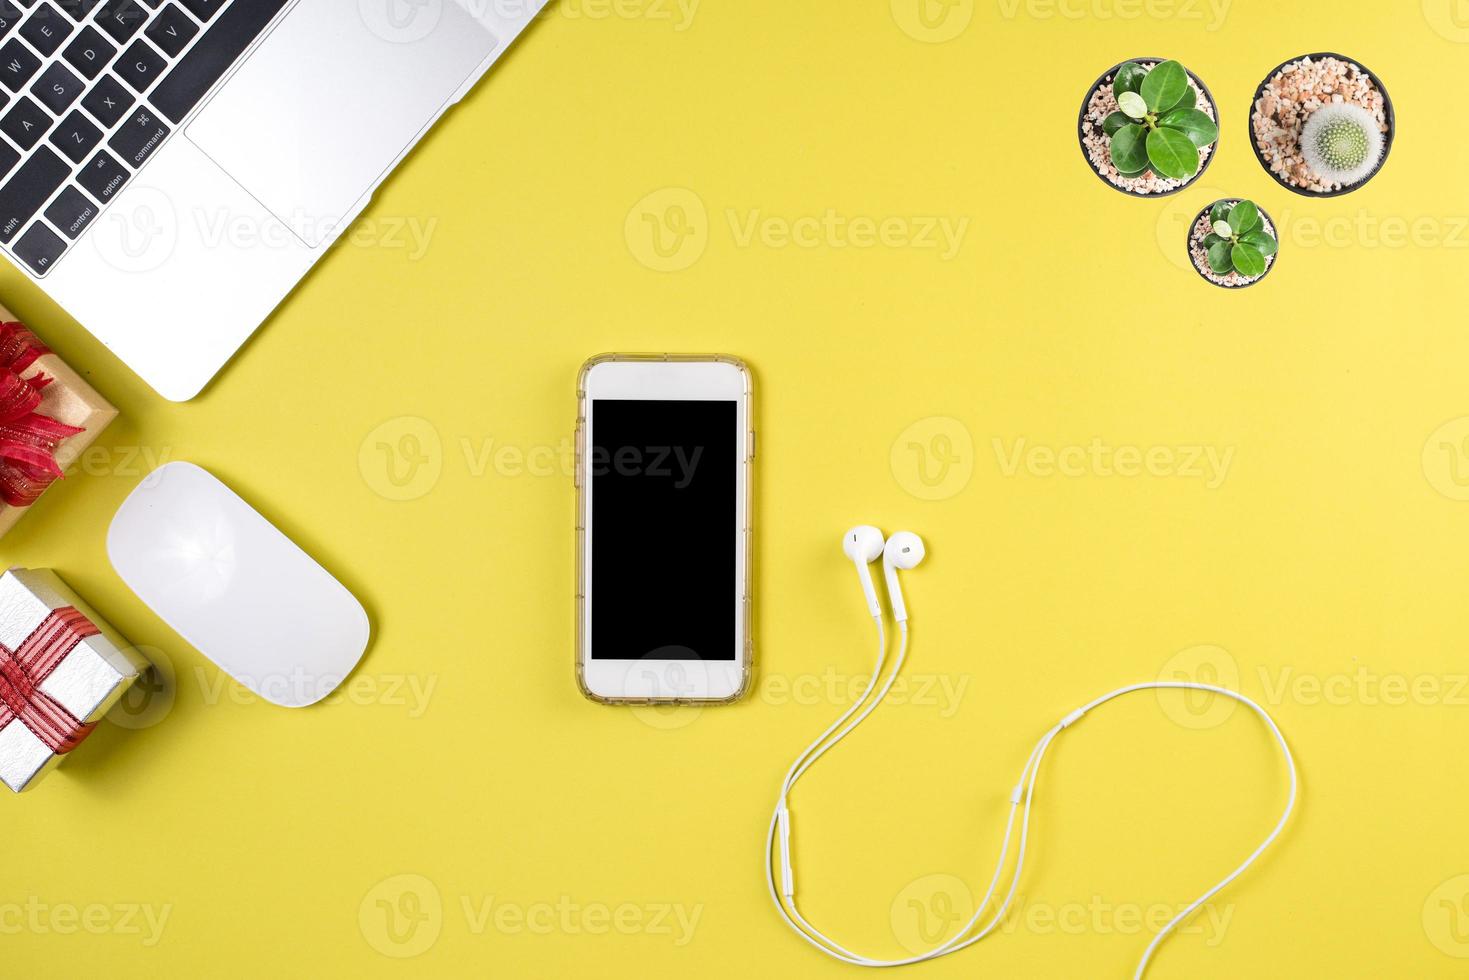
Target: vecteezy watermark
150, 698
1281, 685
1448, 18
1176, 216
1446, 459
675, 463
1210, 14
830, 229
401, 916
941, 693
1367, 230
931, 909
1101, 460
933, 459
407, 21
669, 230
404, 915
933, 21
402, 458
144, 921
410, 692
677, 14
128, 462
144, 233
1446, 917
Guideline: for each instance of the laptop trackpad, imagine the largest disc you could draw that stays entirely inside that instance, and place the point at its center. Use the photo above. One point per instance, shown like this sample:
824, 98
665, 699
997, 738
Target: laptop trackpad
317, 114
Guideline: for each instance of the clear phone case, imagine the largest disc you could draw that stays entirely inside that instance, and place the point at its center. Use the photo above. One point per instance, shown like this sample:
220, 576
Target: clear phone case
746, 586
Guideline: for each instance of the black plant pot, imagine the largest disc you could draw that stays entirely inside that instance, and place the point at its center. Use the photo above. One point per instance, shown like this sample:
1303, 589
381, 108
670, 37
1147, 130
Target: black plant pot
1188, 242
1081, 134
1387, 112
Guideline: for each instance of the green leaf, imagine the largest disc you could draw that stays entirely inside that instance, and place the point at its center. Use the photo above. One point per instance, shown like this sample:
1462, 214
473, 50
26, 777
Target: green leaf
1261, 240
1244, 217
1247, 260
1190, 98
1129, 149
1219, 259
1197, 126
1114, 122
1172, 153
1132, 104
1219, 212
1129, 78
1222, 229
1211, 239
1163, 88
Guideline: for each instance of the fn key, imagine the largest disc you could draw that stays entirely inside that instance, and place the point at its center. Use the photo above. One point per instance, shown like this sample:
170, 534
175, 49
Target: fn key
39, 247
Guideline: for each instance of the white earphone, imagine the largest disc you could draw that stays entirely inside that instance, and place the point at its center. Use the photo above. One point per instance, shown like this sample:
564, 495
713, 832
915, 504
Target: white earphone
904, 551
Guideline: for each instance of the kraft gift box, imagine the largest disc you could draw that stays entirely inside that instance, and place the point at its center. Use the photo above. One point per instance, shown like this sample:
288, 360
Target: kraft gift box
61, 669
51, 434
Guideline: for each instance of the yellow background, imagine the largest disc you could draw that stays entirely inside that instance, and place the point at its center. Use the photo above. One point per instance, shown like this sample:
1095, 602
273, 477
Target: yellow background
1326, 569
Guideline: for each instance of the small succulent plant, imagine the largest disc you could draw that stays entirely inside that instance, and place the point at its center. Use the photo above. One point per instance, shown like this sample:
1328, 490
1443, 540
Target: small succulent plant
1158, 126
1342, 143
1239, 241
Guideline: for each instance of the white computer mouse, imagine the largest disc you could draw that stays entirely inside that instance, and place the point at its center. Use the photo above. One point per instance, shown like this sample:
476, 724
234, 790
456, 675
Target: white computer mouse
229, 582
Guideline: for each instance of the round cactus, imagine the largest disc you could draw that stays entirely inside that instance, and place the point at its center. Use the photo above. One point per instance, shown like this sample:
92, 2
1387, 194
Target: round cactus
1342, 143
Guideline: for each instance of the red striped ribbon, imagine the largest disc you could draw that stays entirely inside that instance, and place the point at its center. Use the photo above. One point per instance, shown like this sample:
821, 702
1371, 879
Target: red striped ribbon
24, 670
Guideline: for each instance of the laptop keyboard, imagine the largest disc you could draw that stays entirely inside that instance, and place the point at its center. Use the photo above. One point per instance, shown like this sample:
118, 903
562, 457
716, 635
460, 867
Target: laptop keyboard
89, 89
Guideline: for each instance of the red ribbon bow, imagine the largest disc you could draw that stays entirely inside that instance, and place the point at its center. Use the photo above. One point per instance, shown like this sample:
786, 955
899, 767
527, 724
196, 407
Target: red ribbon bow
23, 671
28, 440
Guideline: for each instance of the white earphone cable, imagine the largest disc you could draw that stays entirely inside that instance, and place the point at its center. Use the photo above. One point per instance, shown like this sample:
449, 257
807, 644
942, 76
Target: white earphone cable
1023, 795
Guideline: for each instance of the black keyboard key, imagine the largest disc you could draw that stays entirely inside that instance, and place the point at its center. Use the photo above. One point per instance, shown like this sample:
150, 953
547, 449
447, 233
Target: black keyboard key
171, 29
77, 10
45, 28
89, 53
71, 212
139, 137
10, 15
75, 136
26, 123
39, 247
8, 159
108, 101
17, 65
121, 18
209, 58
27, 189
57, 87
205, 9
103, 176
139, 65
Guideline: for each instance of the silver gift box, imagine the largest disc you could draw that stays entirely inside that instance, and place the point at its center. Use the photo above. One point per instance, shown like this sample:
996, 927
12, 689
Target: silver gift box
87, 682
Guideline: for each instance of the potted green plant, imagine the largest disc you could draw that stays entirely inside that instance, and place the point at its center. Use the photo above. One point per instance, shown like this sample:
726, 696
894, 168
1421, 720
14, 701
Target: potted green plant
1233, 243
1322, 125
1148, 127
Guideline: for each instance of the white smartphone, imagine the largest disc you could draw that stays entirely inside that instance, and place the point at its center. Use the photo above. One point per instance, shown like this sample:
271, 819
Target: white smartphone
664, 455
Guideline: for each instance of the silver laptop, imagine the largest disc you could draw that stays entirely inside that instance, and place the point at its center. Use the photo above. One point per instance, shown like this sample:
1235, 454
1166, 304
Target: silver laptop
169, 169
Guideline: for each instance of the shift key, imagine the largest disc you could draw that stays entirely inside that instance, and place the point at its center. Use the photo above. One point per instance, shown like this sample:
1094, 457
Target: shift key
28, 188
139, 137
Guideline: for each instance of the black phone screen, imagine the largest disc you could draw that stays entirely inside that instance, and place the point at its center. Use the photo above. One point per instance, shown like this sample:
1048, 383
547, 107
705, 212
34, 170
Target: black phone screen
664, 529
